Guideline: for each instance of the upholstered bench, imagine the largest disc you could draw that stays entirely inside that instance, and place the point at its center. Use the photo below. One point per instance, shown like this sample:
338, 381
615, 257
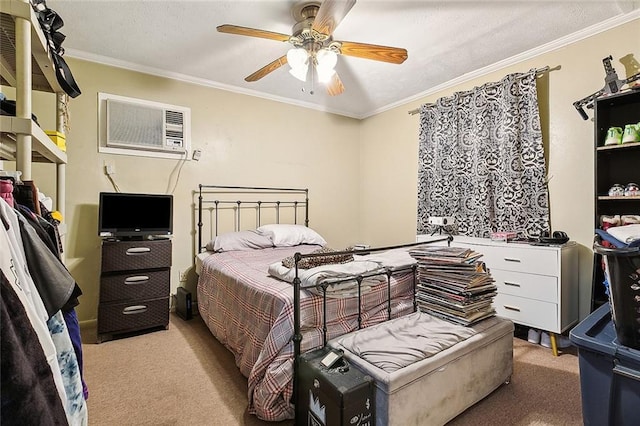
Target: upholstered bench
426, 370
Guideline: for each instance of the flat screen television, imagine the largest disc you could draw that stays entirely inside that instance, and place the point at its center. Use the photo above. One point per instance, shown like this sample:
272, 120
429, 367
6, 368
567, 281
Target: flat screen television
135, 216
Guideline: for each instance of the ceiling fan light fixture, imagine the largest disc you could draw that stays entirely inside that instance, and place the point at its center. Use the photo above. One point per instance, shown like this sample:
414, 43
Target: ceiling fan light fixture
326, 58
298, 59
299, 73
326, 61
314, 52
325, 74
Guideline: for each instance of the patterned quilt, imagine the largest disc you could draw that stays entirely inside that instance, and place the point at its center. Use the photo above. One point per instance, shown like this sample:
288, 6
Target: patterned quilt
251, 313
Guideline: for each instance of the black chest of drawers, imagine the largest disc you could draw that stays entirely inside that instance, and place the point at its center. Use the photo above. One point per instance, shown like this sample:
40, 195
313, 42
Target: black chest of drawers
134, 286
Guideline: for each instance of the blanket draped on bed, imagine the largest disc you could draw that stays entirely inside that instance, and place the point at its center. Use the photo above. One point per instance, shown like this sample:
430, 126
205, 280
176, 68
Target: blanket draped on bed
251, 313
338, 279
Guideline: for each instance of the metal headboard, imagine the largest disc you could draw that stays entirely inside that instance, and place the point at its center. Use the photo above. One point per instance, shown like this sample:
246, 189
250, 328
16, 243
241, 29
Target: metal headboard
219, 197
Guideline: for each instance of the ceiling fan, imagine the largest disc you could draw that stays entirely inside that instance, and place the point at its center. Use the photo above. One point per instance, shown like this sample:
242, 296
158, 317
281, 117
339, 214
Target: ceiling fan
314, 51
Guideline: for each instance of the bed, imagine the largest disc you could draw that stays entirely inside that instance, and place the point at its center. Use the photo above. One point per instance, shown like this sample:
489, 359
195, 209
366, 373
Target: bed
252, 313
267, 322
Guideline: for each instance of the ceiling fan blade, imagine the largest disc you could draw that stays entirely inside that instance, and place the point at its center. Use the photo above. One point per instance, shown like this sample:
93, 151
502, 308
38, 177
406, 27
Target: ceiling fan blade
335, 86
394, 55
252, 32
267, 69
330, 14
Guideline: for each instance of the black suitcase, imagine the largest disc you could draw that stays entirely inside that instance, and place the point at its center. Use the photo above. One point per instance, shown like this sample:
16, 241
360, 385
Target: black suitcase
340, 395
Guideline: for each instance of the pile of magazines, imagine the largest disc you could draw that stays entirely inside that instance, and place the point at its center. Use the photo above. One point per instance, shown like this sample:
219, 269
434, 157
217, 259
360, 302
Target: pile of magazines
453, 284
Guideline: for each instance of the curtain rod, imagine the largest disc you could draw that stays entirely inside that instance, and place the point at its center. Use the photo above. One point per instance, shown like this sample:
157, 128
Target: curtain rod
538, 72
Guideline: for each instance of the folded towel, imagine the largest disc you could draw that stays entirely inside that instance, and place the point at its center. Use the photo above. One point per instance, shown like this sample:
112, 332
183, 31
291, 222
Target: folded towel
626, 233
611, 239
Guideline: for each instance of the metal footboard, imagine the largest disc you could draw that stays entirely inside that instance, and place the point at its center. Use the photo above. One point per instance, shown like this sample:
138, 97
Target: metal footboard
388, 272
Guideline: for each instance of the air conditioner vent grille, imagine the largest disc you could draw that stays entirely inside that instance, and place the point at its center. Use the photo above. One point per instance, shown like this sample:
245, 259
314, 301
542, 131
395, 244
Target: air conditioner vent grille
174, 117
144, 125
174, 134
131, 124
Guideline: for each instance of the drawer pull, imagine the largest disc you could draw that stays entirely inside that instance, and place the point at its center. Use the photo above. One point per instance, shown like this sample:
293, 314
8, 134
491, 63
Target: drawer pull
511, 284
512, 259
137, 250
132, 310
139, 279
511, 308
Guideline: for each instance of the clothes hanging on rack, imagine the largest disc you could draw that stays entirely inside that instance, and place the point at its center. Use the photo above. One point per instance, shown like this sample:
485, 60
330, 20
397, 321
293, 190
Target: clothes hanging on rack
76, 407
13, 267
6, 189
53, 281
42, 227
49, 225
29, 393
71, 319
50, 329
26, 194
51, 276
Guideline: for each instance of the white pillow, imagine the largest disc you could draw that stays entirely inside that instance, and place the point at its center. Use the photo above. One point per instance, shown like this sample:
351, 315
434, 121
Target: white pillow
241, 240
291, 235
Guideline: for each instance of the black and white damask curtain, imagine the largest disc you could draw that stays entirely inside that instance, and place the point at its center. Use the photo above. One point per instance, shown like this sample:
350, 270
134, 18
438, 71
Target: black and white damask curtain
481, 160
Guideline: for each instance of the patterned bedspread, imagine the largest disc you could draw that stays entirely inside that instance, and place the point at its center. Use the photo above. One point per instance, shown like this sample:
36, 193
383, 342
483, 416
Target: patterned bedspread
251, 313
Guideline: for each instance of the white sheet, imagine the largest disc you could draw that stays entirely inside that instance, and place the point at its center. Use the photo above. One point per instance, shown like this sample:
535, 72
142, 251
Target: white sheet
397, 258
200, 257
312, 279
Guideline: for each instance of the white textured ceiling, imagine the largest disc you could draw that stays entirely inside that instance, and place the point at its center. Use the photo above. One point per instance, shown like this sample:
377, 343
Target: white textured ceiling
445, 40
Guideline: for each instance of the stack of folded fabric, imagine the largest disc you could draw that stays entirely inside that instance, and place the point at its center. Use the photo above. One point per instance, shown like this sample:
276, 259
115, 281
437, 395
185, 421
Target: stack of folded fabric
620, 230
453, 284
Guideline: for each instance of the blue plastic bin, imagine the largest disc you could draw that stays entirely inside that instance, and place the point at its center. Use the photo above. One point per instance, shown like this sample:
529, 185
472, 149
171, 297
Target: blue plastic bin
609, 372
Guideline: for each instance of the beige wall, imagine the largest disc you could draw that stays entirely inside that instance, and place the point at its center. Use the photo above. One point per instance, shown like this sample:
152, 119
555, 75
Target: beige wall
244, 141
389, 146
361, 174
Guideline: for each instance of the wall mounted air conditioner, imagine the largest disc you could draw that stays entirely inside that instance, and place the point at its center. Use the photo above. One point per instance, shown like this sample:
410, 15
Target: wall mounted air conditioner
144, 125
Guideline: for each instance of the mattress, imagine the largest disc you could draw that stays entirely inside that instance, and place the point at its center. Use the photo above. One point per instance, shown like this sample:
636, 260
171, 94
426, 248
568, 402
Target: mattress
200, 257
435, 389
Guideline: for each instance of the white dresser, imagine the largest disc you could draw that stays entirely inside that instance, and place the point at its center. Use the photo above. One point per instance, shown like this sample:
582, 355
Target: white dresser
537, 285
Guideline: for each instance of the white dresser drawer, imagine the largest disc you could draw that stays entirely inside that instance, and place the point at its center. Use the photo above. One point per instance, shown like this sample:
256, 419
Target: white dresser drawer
534, 313
537, 286
531, 286
520, 259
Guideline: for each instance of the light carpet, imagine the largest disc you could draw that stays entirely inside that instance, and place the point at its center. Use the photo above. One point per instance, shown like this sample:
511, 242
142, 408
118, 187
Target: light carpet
184, 376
